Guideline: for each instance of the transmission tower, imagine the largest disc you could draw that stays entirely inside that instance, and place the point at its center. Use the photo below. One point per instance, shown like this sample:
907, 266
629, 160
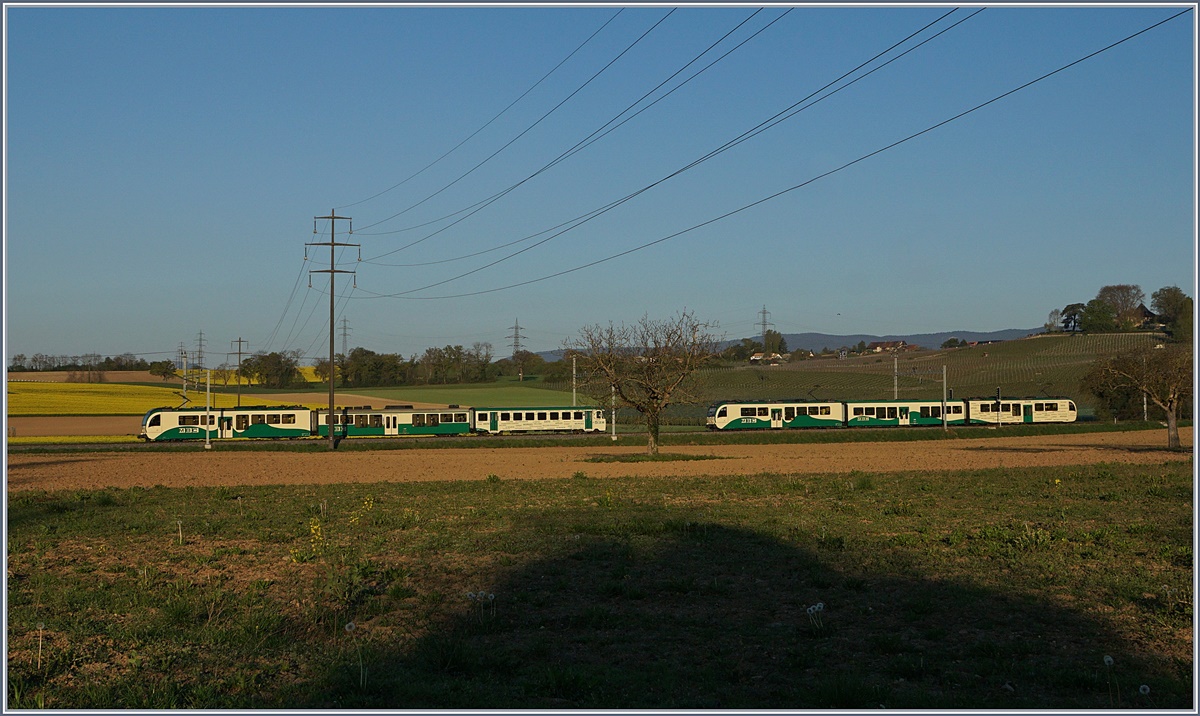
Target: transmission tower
200, 350
333, 271
763, 327
516, 346
345, 336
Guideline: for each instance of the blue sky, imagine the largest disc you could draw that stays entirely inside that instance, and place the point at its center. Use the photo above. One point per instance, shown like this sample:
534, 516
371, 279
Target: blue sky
164, 165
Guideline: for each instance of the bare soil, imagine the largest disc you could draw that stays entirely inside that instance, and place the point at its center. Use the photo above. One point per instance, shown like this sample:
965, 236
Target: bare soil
209, 468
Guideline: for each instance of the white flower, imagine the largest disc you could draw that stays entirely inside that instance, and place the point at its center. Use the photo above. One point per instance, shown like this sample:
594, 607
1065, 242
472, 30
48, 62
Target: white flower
1144, 690
1108, 661
471, 596
350, 627
810, 610
820, 606
491, 597
41, 625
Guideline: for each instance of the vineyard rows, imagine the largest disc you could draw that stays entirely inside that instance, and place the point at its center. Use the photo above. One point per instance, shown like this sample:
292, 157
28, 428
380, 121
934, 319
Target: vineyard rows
1043, 365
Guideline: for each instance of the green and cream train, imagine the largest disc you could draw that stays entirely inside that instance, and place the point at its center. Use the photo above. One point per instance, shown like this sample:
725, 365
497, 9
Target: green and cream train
780, 414
295, 421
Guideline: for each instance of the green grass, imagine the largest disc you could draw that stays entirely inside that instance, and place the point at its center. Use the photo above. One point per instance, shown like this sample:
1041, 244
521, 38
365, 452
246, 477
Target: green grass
940, 588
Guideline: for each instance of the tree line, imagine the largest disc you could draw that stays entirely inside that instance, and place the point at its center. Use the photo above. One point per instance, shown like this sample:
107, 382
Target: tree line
1122, 307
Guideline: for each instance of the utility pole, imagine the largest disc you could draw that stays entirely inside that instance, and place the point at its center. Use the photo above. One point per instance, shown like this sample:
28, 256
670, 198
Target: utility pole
183, 368
239, 343
516, 346
333, 243
896, 377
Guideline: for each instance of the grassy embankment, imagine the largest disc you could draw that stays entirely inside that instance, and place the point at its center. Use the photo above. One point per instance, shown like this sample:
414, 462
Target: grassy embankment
983, 589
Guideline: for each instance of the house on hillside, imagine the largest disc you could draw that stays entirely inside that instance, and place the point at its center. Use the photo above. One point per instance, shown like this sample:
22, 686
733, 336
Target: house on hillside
891, 346
1148, 318
764, 359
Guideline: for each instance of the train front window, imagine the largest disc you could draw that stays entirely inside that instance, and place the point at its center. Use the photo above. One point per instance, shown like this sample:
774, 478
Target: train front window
155, 422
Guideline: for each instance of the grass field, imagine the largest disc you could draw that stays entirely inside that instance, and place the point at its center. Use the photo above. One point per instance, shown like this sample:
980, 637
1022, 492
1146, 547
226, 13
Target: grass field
986, 589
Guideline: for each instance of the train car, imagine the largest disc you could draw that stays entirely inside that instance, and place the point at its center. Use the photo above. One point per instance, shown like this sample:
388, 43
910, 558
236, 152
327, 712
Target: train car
257, 421
575, 418
893, 413
1018, 411
393, 421
766, 414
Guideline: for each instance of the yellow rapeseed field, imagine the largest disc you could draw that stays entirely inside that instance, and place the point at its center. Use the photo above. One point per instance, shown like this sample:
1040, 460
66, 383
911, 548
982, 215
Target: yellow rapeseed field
104, 398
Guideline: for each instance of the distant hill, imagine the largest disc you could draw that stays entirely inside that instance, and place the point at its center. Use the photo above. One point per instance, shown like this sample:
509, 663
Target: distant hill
818, 341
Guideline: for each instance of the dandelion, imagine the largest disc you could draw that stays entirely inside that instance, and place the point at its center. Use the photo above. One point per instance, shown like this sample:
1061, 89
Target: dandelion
471, 596
350, 627
1144, 690
1108, 661
362, 672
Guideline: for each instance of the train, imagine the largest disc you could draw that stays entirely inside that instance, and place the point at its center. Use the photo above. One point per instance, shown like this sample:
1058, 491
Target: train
781, 414
295, 421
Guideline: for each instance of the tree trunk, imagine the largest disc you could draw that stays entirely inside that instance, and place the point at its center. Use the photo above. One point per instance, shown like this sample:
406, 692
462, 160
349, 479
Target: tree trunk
652, 434
1172, 430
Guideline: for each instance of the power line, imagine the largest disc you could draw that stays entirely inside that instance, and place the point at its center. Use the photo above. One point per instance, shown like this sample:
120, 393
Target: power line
530, 127
796, 186
758, 129
596, 135
493, 119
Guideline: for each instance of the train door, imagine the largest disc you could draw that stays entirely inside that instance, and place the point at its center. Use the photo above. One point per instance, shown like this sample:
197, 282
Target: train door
903, 415
1028, 412
494, 421
776, 417
587, 420
225, 426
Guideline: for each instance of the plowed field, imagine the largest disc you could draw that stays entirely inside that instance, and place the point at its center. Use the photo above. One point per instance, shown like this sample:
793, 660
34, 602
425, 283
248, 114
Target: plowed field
124, 469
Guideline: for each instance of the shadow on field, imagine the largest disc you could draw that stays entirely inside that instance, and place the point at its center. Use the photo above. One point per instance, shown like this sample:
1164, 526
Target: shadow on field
671, 613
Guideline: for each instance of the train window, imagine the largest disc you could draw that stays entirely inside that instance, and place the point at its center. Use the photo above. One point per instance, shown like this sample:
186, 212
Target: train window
481, 416
273, 419
824, 410
360, 421
529, 416
242, 421
936, 411
1039, 407
541, 416
1052, 406
924, 411
258, 419
460, 417
189, 420
789, 413
1071, 406
748, 412
377, 421
599, 414
762, 412
155, 422
578, 415
447, 418
432, 420
1016, 409
1005, 407
985, 408
554, 416
958, 409
870, 410
289, 419
721, 413
505, 416
858, 411
891, 413
418, 420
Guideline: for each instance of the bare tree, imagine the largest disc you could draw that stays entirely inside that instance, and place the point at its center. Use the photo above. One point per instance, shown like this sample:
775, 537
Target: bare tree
646, 364
1164, 375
